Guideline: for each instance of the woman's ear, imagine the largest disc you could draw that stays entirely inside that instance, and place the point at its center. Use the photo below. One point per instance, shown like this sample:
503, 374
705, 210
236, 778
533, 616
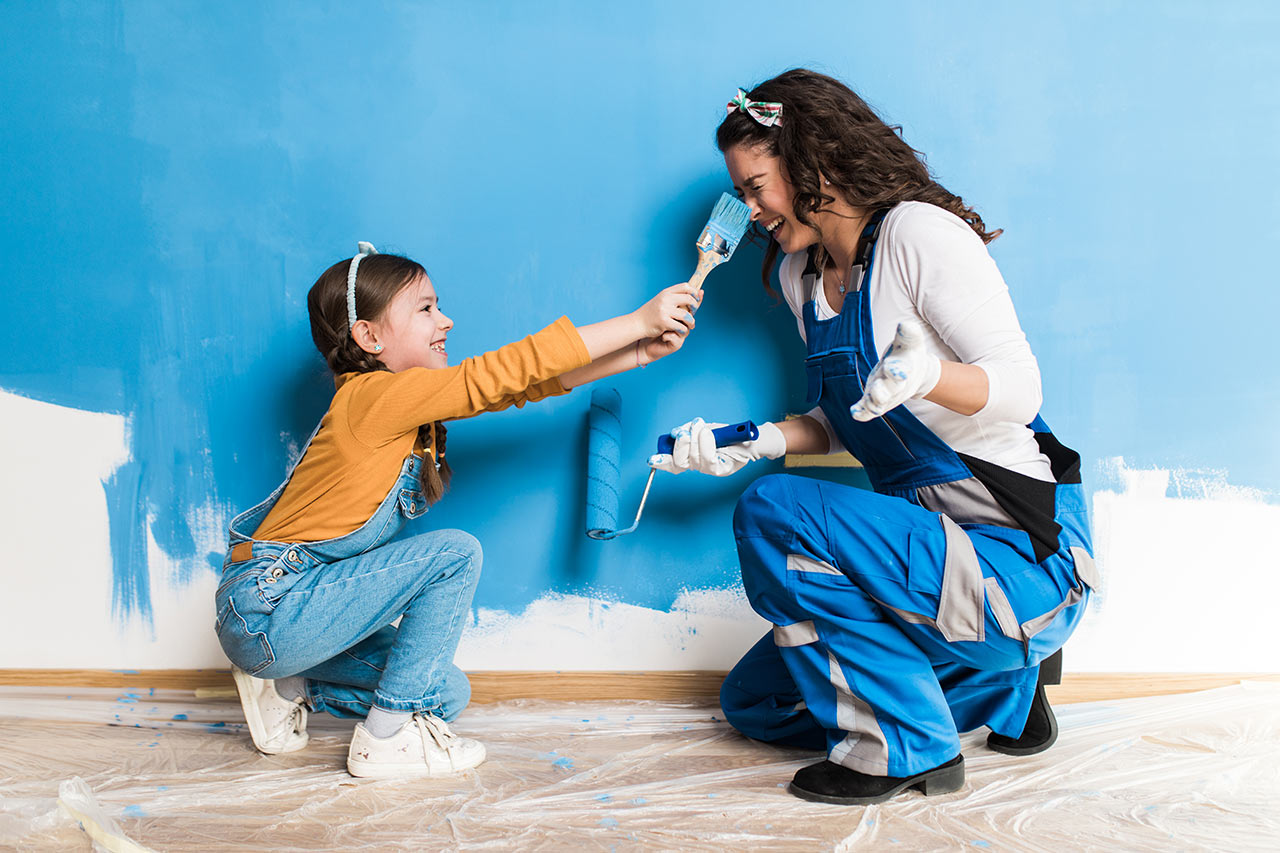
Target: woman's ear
366, 337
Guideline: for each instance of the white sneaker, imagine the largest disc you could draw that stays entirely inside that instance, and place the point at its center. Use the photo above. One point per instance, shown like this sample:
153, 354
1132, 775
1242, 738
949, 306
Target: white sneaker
424, 746
276, 724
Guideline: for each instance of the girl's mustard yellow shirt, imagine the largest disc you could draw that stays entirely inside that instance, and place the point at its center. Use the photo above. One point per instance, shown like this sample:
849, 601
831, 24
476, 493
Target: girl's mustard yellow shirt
372, 425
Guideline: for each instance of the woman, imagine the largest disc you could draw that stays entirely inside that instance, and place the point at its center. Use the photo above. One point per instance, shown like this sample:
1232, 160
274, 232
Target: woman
923, 609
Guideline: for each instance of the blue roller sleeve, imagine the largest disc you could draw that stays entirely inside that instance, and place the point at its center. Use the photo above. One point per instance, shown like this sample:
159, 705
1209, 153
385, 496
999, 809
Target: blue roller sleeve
725, 435
604, 433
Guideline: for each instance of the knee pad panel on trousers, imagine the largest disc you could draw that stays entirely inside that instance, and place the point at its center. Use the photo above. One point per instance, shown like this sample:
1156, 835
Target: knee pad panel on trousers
765, 507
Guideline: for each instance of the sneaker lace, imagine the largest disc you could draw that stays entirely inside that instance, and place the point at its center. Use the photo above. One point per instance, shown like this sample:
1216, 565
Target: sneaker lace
429, 725
296, 716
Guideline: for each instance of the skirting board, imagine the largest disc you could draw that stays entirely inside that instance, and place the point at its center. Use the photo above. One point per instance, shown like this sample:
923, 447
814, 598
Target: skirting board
692, 685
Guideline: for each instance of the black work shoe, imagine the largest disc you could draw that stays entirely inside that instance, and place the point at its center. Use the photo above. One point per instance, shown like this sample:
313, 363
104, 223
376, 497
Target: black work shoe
828, 782
1039, 733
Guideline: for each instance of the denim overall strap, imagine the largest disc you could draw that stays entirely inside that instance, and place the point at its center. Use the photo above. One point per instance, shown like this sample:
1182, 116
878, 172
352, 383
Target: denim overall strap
404, 500
899, 453
246, 523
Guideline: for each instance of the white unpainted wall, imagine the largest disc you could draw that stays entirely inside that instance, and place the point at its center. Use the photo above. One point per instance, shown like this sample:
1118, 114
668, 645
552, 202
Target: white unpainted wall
1187, 581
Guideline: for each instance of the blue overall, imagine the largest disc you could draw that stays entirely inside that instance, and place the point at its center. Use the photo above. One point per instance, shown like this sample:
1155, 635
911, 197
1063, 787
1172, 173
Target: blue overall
323, 610
909, 614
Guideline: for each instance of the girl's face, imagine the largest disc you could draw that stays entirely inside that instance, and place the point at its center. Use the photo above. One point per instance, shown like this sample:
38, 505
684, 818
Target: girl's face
763, 186
412, 329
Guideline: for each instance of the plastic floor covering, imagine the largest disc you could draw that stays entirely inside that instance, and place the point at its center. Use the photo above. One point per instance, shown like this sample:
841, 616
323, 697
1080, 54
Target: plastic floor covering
162, 770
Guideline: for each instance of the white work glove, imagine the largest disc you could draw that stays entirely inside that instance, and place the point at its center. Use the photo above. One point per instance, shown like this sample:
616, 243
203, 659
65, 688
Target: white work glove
695, 450
906, 371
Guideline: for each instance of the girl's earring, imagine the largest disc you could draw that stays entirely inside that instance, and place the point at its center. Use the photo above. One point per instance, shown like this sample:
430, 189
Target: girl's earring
377, 347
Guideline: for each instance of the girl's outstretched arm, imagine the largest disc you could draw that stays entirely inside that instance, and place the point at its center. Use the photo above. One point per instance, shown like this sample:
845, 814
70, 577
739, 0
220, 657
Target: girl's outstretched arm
662, 323
670, 311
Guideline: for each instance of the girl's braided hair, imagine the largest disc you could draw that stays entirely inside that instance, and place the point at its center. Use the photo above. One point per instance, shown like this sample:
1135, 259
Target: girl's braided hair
381, 277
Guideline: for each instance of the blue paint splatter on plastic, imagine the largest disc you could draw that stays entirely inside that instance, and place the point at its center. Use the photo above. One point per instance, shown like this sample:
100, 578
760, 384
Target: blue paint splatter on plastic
162, 787
179, 716
980, 843
639, 801
607, 821
134, 811
565, 763
604, 798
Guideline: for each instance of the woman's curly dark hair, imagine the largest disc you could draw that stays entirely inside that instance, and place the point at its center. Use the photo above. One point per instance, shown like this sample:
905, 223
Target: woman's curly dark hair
380, 278
827, 131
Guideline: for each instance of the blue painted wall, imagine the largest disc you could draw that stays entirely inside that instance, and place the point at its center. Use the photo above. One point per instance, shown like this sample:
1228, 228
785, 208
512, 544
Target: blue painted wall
175, 178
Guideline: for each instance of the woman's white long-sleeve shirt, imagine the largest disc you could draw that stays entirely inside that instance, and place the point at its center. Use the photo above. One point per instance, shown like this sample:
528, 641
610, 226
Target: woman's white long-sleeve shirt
932, 268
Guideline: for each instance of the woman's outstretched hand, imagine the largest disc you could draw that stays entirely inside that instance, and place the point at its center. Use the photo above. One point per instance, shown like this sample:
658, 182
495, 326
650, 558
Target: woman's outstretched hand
670, 311
907, 370
695, 450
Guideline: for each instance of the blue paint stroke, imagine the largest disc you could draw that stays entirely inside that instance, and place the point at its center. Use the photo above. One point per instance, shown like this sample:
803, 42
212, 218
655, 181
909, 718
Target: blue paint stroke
132, 810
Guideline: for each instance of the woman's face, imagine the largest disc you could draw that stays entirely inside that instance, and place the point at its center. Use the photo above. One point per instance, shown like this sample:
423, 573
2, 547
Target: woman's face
763, 186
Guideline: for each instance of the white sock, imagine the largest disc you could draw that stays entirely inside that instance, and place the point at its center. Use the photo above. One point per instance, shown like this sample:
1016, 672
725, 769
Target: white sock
382, 723
293, 687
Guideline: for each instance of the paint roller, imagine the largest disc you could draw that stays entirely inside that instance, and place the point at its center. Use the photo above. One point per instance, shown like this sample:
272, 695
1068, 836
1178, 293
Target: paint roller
729, 221
604, 466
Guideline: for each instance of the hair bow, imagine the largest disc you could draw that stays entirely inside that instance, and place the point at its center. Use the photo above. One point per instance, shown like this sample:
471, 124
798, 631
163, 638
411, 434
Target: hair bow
768, 113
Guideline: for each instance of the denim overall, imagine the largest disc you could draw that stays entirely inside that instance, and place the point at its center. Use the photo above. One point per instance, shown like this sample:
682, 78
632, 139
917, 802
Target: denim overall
897, 625
323, 610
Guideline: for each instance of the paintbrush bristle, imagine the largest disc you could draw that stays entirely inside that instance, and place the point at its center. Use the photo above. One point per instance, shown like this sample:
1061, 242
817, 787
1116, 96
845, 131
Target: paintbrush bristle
729, 221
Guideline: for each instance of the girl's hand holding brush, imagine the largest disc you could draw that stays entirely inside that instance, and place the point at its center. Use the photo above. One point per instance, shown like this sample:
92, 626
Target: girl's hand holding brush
660, 347
670, 311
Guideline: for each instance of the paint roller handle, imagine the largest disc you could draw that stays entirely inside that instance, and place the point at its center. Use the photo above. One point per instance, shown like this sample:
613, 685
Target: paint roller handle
725, 435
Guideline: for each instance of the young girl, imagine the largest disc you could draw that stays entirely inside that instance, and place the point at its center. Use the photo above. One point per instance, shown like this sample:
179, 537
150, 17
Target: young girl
312, 581
925, 608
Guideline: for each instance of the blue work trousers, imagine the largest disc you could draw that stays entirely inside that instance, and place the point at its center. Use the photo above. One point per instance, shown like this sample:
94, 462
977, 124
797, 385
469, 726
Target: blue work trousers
894, 628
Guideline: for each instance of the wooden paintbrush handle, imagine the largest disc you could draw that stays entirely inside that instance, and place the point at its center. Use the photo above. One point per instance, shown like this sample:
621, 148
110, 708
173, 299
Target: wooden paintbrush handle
707, 261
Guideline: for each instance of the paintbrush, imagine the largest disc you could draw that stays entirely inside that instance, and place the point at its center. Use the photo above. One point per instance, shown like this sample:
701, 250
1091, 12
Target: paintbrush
728, 222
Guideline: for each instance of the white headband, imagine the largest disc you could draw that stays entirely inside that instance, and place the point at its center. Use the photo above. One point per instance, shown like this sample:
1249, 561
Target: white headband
366, 249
